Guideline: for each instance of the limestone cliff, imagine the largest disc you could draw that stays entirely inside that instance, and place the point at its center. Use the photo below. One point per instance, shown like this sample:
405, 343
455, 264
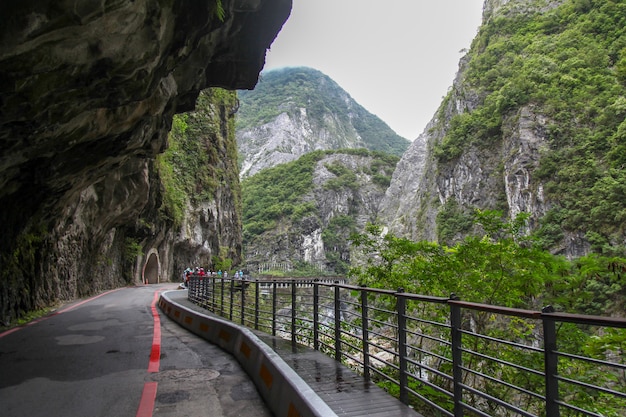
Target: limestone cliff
298, 110
301, 214
88, 91
201, 193
534, 122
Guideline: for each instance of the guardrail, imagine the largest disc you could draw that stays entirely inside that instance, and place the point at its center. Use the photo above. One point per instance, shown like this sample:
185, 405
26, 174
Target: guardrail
442, 356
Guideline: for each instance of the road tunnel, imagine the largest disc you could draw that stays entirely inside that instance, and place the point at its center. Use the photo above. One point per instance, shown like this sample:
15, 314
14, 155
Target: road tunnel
151, 269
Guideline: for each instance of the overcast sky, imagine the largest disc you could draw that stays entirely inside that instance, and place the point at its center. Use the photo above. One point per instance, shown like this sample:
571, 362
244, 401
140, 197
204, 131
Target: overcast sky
397, 58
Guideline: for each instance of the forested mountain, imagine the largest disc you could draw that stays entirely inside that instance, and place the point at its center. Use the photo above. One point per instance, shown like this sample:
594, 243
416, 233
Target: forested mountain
535, 122
293, 111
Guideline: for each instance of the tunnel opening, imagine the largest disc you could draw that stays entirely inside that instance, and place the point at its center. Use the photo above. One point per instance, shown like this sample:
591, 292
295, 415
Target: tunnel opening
151, 269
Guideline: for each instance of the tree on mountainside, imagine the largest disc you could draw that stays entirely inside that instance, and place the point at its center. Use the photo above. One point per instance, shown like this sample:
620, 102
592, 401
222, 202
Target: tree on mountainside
498, 266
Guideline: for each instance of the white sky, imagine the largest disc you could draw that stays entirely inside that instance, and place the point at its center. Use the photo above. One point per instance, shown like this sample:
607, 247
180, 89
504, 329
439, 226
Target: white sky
397, 58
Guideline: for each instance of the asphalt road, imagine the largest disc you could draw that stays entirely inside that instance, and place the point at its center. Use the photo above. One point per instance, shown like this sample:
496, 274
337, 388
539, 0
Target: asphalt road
116, 355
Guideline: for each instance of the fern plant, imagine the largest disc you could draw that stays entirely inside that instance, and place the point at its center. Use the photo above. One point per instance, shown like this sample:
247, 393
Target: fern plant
219, 10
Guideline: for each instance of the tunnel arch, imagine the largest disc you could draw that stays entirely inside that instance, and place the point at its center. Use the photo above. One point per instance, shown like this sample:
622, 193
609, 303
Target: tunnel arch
151, 272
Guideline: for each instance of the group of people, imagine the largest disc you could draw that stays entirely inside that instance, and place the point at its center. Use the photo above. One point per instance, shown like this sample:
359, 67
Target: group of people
199, 271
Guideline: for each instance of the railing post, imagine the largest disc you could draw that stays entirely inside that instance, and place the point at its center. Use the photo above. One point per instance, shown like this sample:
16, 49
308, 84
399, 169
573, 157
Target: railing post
337, 323
365, 334
213, 292
402, 351
222, 297
293, 311
202, 292
457, 355
316, 318
243, 301
231, 298
256, 304
274, 291
551, 360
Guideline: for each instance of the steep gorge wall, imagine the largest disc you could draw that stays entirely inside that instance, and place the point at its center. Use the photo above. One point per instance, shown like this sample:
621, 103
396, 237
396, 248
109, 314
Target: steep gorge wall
344, 195
506, 168
88, 93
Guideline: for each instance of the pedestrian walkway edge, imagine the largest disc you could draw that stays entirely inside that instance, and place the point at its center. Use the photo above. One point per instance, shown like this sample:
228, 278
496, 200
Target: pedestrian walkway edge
283, 390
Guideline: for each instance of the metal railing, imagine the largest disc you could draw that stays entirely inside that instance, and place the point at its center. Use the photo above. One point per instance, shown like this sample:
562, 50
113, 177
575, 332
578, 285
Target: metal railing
442, 356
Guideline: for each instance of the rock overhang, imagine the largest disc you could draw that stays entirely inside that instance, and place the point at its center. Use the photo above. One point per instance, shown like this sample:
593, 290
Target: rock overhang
88, 87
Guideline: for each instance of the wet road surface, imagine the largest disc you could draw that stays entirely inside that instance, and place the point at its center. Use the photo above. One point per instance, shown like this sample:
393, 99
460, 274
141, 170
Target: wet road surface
103, 357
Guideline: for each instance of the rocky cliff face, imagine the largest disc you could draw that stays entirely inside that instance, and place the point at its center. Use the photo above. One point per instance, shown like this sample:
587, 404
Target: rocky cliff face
503, 175
87, 94
289, 136
202, 158
294, 111
346, 192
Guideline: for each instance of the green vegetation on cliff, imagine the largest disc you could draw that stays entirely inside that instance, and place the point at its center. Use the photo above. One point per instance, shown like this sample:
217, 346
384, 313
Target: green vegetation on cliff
569, 65
275, 194
316, 198
192, 168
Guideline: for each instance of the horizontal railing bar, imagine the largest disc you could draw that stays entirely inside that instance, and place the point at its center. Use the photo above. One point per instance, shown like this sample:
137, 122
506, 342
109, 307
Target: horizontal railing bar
328, 335
327, 326
505, 342
307, 318
474, 410
345, 342
386, 363
431, 370
578, 409
354, 358
383, 375
586, 319
497, 401
431, 385
592, 360
382, 323
332, 347
507, 311
500, 361
351, 303
434, 323
432, 354
391, 313
376, 345
499, 381
591, 386
380, 335
352, 313
429, 337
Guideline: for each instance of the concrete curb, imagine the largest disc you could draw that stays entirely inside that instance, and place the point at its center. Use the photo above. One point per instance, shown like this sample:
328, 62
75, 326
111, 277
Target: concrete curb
283, 390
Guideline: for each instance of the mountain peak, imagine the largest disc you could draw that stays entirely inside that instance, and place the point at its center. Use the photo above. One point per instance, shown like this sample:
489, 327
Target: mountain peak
296, 110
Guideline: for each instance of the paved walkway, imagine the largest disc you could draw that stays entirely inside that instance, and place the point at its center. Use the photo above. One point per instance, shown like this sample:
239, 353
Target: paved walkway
344, 391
